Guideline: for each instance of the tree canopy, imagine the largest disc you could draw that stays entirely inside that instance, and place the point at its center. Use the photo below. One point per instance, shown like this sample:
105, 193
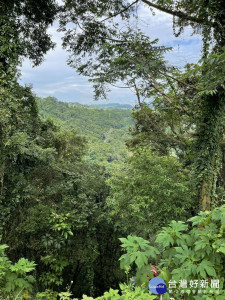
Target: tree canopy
61, 213
23, 30
107, 53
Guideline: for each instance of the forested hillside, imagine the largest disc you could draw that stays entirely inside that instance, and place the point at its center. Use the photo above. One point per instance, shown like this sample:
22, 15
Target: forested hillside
106, 130
112, 105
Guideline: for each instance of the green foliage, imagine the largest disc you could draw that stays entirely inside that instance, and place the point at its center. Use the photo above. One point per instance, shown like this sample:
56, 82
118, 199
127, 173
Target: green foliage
99, 24
55, 266
213, 74
133, 62
14, 278
148, 192
65, 295
47, 295
187, 114
23, 28
105, 130
194, 253
52, 200
137, 251
127, 293
60, 224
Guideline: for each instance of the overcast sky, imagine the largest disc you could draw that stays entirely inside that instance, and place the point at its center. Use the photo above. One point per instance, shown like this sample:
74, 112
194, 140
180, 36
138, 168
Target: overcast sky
54, 78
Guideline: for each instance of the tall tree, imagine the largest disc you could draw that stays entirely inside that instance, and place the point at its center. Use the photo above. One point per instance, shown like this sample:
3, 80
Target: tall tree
128, 56
23, 30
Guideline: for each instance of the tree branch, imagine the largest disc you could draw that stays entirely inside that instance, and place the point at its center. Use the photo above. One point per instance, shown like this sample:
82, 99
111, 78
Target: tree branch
138, 95
169, 99
120, 12
179, 14
120, 87
180, 81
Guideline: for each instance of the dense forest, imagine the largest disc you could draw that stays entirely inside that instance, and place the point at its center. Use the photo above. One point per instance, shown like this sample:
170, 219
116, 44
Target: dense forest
98, 202
106, 128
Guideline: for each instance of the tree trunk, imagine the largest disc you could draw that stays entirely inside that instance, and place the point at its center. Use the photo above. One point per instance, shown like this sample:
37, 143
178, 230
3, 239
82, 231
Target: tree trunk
205, 196
208, 146
2, 176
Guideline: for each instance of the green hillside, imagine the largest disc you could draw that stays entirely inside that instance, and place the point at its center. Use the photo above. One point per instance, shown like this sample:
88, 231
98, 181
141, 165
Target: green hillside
106, 130
112, 105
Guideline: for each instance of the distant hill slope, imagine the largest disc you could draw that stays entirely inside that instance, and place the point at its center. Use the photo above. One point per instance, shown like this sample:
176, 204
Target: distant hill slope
106, 130
113, 105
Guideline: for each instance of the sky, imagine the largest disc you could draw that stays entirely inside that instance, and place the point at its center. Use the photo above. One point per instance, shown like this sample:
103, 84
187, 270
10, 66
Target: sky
55, 78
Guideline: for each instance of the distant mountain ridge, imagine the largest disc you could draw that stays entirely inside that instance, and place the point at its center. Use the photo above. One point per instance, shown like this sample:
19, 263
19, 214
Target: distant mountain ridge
100, 105
113, 105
